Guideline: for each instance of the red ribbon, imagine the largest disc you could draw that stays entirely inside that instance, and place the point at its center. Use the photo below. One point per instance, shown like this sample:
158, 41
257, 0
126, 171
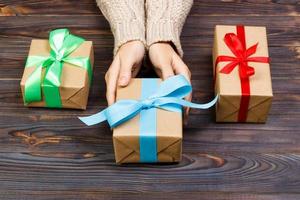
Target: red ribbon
237, 45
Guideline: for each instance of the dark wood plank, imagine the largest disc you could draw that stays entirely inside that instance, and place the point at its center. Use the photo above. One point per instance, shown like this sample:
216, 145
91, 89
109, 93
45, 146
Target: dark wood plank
198, 31
48, 7
240, 172
95, 194
200, 7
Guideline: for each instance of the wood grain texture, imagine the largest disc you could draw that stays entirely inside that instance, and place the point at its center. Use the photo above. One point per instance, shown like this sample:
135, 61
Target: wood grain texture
48, 154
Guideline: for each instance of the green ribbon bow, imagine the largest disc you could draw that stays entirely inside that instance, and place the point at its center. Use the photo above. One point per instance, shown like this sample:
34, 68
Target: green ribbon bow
62, 44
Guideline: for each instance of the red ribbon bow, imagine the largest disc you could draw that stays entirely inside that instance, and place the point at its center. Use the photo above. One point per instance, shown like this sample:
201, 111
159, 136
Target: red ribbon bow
237, 44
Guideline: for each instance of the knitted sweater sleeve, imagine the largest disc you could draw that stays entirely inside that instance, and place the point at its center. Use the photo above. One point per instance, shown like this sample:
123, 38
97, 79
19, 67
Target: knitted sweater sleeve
126, 19
165, 19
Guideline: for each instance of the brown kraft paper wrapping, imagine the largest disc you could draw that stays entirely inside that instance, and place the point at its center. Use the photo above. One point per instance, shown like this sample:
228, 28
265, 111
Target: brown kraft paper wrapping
228, 86
126, 135
74, 89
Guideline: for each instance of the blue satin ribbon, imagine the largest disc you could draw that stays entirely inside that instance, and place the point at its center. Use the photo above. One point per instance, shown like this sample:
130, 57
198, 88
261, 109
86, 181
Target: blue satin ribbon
167, 96
147, 134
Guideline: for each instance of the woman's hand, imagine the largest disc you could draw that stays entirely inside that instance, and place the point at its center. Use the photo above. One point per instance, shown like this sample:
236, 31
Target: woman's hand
168, 63
126, 64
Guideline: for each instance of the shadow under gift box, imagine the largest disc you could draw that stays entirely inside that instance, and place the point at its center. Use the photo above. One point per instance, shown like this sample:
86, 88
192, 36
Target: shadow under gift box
74, 88
228, 86
126, 137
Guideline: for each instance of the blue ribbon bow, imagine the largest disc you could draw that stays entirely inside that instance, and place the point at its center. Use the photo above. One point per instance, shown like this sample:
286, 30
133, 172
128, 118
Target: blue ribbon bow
168, 96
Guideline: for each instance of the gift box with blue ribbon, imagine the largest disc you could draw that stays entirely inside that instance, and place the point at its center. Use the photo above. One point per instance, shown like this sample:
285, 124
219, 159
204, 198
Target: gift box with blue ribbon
155, 135
147, 120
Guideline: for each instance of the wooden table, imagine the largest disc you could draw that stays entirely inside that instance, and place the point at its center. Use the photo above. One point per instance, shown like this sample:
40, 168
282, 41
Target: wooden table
49, 154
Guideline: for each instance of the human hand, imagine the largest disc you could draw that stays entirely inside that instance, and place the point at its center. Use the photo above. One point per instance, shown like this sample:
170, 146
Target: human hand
126, 64
168, 63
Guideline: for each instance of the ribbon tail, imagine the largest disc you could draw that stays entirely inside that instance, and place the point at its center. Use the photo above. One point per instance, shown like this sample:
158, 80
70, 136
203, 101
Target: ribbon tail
115, 114
202, 106
229, 67
33, 91
167, 103
51, 85
251, 50
94, 119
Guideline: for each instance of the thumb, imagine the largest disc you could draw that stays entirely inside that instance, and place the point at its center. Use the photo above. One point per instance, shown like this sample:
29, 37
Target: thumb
167, 71
125, 74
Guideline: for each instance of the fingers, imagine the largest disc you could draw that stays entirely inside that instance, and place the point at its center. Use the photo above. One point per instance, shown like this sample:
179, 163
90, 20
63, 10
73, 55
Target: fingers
187, 110
158, 72
164, 72
111, 78
135, 69
167, 71
181, 68
119, 74
125, 64
125, 73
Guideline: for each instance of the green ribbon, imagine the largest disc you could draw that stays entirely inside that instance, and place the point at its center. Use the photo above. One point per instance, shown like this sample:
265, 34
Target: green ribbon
62, 44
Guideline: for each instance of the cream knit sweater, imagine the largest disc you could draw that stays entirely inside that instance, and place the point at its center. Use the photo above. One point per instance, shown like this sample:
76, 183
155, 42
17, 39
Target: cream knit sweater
149, 21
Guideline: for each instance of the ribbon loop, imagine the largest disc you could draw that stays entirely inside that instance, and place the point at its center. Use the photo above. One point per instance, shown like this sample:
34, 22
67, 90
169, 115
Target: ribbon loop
182, 89
56, 39
234, 44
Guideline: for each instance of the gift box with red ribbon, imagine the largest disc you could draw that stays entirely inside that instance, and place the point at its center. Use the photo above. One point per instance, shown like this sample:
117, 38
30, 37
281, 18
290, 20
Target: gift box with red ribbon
242, 75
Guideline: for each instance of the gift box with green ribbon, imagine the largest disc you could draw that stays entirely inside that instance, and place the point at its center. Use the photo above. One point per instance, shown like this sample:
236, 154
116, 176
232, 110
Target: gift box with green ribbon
58, 71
